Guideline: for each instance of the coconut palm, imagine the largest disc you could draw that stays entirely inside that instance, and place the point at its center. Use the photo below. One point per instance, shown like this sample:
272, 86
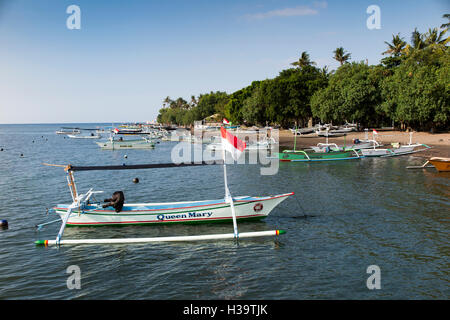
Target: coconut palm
166, 101
446, 25
303, 61
435, 37
340, 55
396, 47
417, 40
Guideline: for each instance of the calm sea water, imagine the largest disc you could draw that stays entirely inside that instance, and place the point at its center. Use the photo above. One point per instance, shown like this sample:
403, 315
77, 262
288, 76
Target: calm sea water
344, 217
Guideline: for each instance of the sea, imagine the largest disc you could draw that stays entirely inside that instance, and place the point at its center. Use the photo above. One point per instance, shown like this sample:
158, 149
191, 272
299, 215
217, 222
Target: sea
356, 229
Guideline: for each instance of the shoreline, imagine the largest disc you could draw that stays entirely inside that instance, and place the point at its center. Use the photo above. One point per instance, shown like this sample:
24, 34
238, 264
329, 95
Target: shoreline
439, 142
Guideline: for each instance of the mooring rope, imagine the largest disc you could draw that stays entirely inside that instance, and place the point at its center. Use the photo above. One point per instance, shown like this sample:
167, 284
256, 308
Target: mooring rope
298, 202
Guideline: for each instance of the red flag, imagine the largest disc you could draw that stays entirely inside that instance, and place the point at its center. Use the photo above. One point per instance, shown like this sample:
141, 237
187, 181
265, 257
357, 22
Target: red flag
225, 121
232, 144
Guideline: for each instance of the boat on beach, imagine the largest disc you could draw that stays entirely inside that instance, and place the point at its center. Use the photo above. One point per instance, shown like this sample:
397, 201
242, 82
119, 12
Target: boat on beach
302, 131
333, 133
265, 144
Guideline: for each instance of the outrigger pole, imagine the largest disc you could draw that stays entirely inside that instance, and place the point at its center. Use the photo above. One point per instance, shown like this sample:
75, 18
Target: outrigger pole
163, 239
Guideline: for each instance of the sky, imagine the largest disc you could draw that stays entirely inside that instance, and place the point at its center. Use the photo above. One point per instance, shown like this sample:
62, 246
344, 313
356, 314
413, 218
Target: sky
128, 56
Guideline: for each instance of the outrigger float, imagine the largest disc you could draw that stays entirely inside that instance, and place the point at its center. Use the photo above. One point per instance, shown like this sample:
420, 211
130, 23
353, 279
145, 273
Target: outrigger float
83, 212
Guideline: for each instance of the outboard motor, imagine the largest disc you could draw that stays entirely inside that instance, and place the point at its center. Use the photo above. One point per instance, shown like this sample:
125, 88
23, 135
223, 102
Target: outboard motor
116, 201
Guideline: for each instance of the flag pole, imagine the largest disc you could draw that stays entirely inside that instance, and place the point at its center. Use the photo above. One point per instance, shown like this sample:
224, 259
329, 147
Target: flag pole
295, 135
228, 197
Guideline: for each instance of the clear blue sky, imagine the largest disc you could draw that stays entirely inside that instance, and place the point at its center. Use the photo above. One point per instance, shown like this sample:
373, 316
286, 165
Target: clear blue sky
129, 55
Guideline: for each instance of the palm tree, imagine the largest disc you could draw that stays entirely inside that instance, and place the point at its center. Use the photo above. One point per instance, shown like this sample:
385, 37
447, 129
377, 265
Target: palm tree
166, 101
446, 25
340, 55
435, 37
303, 61
417, 40
396, 47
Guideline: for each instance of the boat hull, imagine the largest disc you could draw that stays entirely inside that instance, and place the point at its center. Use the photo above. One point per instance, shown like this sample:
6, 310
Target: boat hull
387, 152
323, 147
441, 164
83, 137
247, 208
297, 156
131, 144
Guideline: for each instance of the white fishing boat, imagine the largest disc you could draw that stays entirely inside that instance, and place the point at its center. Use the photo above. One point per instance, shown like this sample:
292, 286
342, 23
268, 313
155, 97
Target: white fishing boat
333, 133
84, 212
390, 152
397, 149
68, 131
92, 136
118, 144
266, 144
247, 208
356, 145
302, 131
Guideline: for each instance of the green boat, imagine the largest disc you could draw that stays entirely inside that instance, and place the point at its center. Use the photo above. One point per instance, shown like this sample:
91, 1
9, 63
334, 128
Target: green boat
307, 156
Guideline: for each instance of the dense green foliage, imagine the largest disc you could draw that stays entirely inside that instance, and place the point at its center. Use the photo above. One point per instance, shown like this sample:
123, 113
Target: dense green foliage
182, 113
409, 87
417, 93
353, 94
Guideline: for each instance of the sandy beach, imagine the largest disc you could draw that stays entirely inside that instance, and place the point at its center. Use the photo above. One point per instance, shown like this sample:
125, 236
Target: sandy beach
440, 142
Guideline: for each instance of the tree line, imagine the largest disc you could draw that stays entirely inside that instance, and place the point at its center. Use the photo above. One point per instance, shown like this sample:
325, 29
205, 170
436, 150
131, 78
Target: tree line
409, 87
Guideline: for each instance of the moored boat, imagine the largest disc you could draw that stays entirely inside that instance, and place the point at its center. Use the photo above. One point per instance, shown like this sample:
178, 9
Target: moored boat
84, 212
68, 131
441, 164
247, 209
397, 150
92, 136
118, 144
265, 144
305, 156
